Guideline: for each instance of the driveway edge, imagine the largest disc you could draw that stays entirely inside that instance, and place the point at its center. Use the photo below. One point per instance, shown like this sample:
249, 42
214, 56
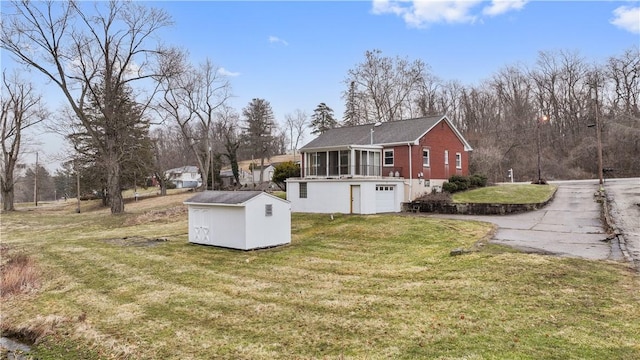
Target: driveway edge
616, 236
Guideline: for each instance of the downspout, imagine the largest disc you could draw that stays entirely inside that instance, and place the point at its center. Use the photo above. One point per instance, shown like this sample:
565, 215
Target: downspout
410, 174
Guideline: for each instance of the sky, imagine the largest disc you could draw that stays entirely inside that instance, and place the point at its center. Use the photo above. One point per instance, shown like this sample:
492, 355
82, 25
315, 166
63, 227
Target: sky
296, 54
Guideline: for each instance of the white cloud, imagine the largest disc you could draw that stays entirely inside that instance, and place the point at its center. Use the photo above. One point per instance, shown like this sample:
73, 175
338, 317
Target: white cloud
499, 7
224, 72
277, 40
627, 18
421, 13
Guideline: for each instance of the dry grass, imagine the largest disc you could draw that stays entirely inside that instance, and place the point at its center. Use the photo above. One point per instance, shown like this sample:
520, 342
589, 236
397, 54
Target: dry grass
18, 274
355, 287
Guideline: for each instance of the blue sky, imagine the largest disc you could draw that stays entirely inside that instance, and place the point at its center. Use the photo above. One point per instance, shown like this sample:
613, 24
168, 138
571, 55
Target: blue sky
296, 54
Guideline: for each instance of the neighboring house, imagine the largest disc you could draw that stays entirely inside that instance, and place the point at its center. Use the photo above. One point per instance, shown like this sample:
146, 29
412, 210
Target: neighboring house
267, 174
374, 168
239, 219
184, 177
229, 180
252, 167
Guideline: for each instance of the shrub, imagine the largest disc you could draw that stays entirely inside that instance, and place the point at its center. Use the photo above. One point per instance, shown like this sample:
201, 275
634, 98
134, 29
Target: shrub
478, 180
284, 171
450, 187
462, 182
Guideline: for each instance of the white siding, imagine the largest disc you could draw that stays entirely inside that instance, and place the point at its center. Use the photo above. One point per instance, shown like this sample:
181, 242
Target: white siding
243, 226
225, 225
334, 196
266, 231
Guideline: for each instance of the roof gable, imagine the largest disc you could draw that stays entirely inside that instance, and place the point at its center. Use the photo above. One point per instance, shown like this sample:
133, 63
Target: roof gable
387, 133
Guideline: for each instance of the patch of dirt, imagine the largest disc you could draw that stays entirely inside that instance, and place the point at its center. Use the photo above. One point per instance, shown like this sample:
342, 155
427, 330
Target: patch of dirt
136, 241
157, 215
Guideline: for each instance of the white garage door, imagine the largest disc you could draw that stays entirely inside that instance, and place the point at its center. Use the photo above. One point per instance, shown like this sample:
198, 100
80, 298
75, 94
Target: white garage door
385, 198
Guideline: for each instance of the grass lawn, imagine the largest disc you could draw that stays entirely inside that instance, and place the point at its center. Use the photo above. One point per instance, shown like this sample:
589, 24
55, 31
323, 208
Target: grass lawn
507, 194
357, 287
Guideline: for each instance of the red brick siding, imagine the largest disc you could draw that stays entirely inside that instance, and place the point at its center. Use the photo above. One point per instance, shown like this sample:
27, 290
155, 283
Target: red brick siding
439, 139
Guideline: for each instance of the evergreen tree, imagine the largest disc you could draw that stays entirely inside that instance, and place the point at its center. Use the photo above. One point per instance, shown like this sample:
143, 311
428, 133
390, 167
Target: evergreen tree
258, 133
125, 154
322, 119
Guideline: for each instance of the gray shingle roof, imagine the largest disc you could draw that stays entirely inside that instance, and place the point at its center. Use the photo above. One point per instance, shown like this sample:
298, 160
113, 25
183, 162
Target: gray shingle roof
223, 197
391, 132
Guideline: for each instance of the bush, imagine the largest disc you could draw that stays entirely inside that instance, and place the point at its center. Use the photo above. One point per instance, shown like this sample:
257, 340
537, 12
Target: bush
462, 183
450, 187
284, 171
478, 180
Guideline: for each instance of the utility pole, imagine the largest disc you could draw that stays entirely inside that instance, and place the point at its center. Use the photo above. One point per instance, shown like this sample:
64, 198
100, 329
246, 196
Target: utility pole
77, 186
35, 183
598, 136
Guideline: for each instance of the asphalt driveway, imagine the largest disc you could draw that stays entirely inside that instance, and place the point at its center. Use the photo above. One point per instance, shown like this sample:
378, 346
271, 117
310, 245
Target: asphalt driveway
569, 226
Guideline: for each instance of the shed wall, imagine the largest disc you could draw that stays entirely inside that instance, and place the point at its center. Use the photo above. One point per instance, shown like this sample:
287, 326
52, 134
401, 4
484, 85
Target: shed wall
266, 231
225, 225
334, 196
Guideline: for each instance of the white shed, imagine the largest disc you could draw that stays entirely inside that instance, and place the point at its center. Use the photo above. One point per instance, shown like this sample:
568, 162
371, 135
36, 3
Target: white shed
243, 220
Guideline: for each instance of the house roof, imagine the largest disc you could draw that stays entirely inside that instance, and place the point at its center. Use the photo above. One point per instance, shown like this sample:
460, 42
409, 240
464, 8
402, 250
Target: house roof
387, 133
225, 197
184, 169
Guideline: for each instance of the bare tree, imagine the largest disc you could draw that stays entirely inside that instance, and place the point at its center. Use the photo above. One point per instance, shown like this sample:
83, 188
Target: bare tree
20, 107
295, 124
89, 55
624, 71
169, 151
384, 88
228, 130
192, 98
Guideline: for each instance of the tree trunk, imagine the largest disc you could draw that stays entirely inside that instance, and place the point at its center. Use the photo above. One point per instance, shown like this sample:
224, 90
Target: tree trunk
163, 185
7, 192
113, 184
7, 184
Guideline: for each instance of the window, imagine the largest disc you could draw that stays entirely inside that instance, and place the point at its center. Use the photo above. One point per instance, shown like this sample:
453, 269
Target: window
303, 190
268, 210
388, 157
425, 157
446, 157
458, 161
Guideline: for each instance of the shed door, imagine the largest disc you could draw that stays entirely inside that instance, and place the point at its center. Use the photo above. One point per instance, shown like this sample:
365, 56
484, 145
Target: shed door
355, 199
385, 198
200, 227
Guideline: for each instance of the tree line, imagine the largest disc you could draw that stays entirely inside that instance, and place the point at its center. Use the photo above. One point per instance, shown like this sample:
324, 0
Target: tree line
550, 108
137, 107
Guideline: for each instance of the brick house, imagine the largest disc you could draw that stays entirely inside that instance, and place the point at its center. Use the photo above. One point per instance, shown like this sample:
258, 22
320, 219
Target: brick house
374, 168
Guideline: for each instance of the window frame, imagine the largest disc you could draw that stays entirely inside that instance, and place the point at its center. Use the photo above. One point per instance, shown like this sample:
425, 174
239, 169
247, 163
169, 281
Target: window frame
446, 157
458, 160
385, 158
303, 191
428, 163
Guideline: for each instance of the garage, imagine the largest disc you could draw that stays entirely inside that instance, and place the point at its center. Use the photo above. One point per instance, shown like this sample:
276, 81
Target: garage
385, 198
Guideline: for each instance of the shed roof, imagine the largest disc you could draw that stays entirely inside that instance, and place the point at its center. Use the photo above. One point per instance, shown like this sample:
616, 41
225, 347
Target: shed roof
386, 133
226, 197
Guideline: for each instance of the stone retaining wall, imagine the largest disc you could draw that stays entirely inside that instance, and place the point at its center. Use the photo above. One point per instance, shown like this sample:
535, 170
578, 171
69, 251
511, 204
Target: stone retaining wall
443, 207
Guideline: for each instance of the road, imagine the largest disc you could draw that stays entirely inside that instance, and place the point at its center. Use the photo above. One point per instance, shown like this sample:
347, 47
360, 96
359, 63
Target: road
624, 195
570, 225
